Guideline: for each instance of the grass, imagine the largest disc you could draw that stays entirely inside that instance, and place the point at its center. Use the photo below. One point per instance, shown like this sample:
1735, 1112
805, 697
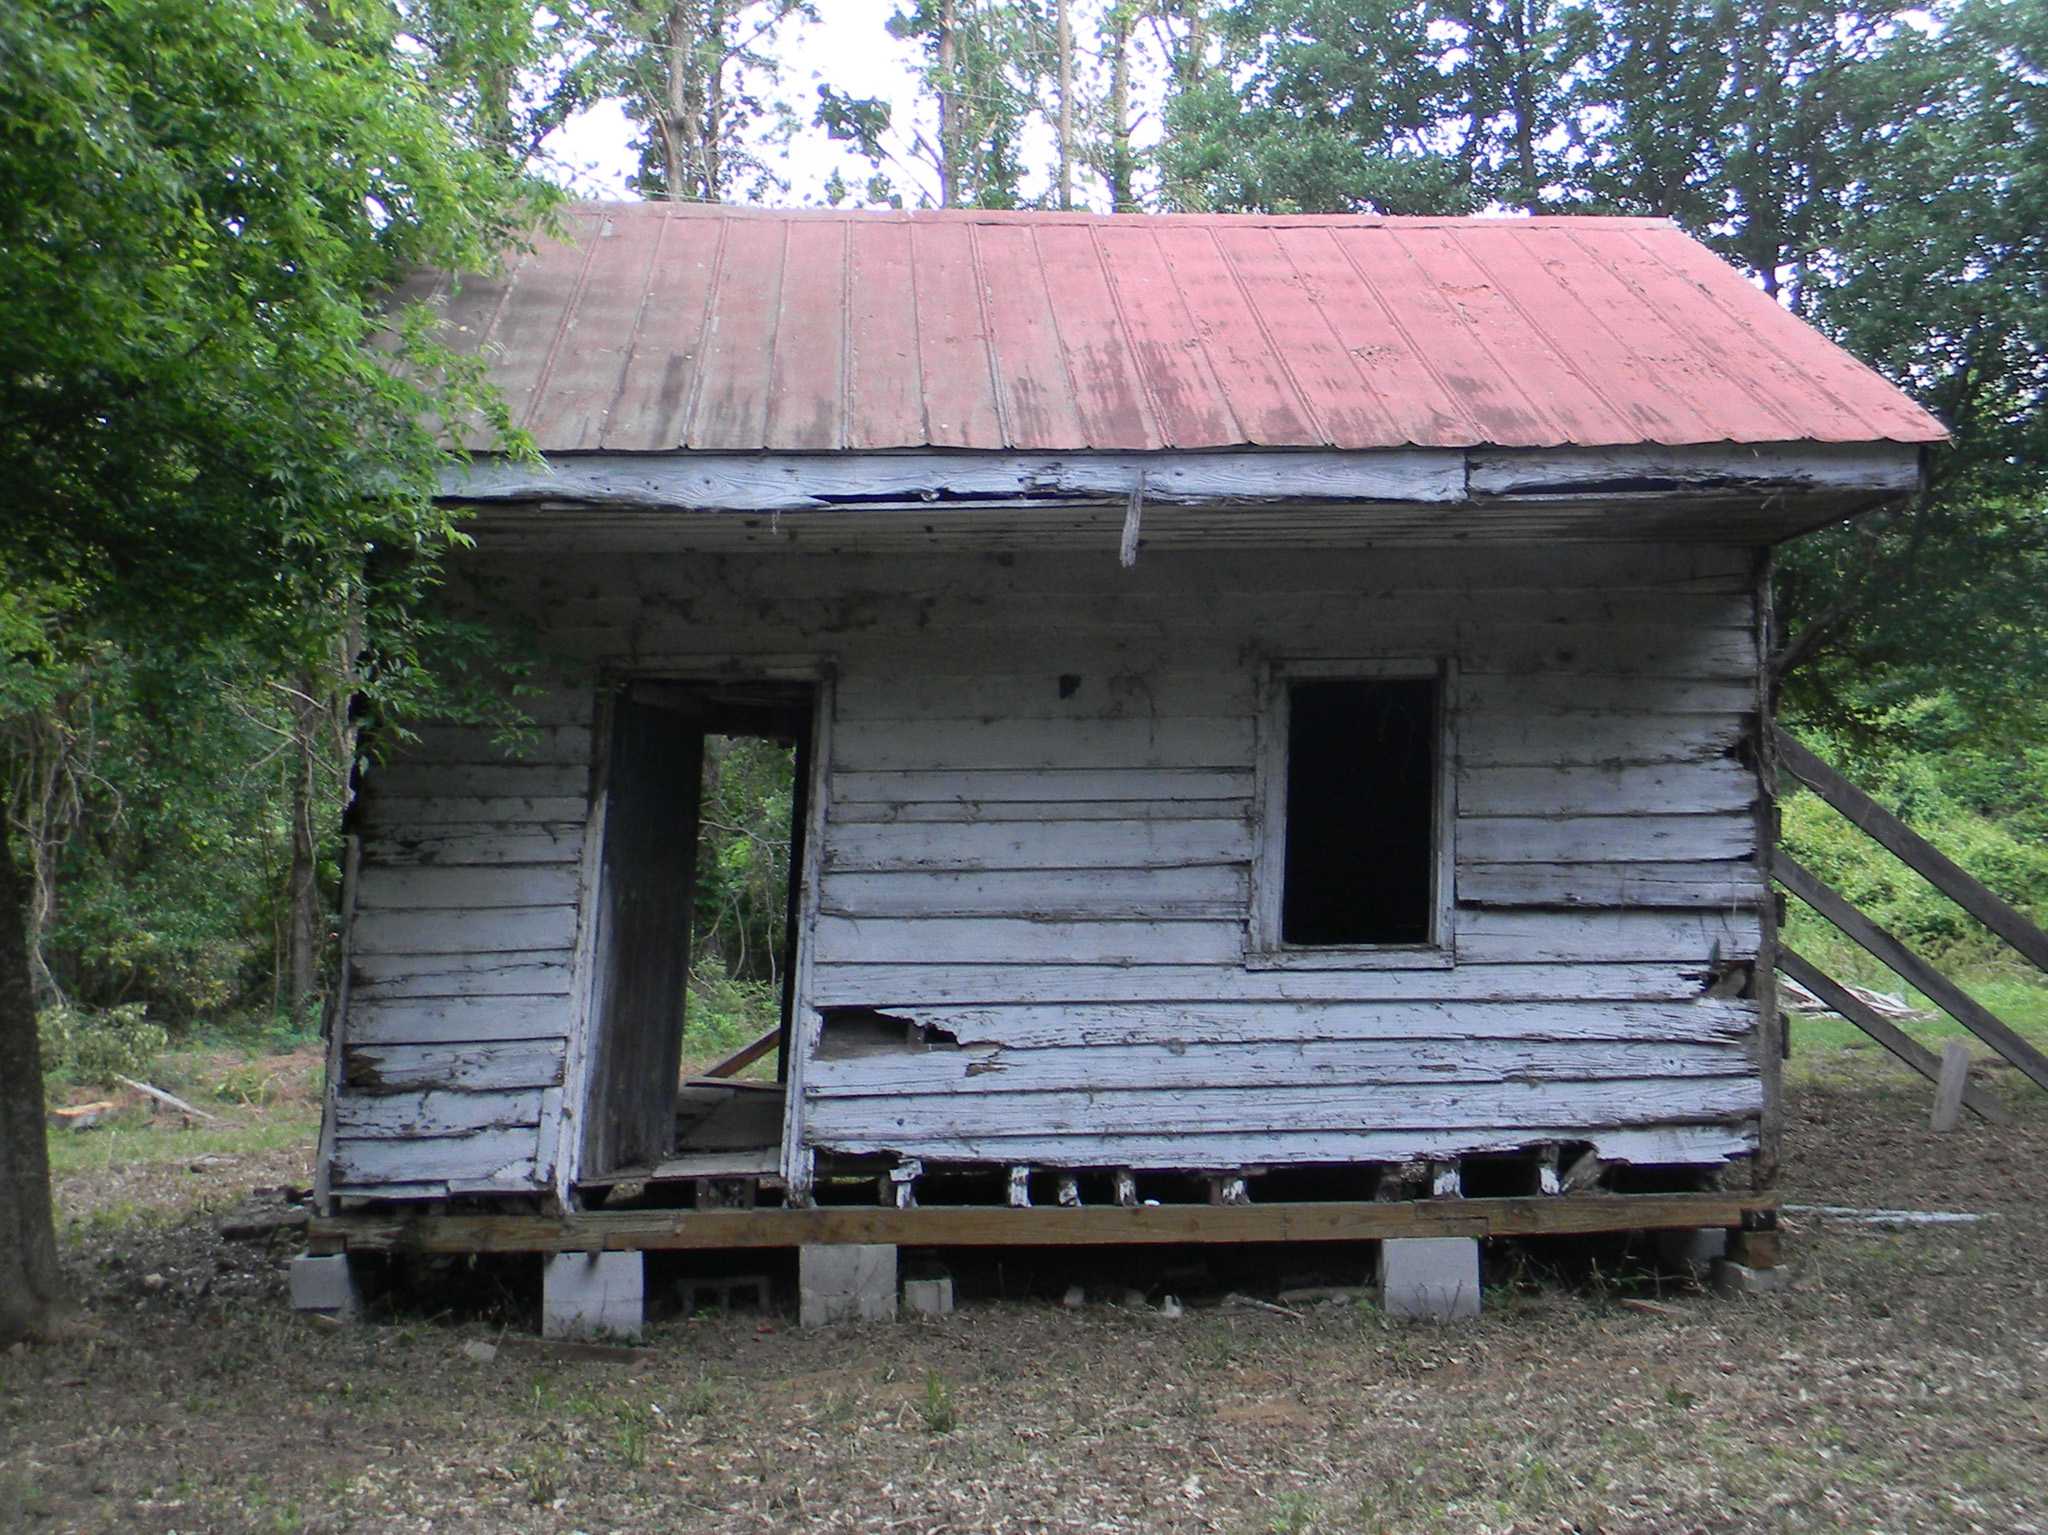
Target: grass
1893, 1389
2014, 993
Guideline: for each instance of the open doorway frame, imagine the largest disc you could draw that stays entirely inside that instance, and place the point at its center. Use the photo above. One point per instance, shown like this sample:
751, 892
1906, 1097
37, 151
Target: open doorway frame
622, 1076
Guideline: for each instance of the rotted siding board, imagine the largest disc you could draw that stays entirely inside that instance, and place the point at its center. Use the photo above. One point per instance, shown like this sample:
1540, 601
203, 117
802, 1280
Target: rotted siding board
483, 1066
1714, 786
500, 930
435, 1112
457, 1019
1689, 1144
469, 888
1599, 839
398, 814
1291, 1022
413, 779
529, 973
481, 845
1172, 785
917, 988
996, 809
1266, 1064
1483, 937
1148, 844
1215, 890
1241, 1110
502, 1158
1727, 883
1395, 1020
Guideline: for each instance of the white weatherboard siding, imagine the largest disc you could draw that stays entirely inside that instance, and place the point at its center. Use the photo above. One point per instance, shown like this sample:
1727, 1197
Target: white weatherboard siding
461, 958
1038, 843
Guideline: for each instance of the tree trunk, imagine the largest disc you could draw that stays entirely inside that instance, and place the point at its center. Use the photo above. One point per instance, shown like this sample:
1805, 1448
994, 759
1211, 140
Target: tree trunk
1066, 47
1122, 162
31, 1287
305, 925
949, 153
1523, 96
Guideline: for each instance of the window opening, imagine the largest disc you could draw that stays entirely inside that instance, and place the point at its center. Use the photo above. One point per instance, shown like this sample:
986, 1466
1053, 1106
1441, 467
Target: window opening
1361, 812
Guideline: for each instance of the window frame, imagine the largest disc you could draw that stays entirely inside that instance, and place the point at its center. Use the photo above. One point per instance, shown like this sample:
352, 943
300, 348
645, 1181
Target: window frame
1264, 947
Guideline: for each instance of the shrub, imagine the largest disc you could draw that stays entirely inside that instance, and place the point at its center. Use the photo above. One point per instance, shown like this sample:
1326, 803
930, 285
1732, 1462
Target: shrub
83, 1048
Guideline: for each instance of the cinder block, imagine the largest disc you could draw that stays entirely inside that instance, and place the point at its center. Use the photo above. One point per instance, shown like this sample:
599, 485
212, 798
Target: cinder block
324, 1284
928, 1297
1433, 1279
1695, 1248
846, 1282
1733, 1279
593, 1295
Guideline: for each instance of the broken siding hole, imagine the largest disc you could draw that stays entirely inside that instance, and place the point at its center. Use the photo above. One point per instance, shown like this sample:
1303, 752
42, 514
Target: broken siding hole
900, 1187
1734, 979
847, 1033
725, 1193
1584, 1171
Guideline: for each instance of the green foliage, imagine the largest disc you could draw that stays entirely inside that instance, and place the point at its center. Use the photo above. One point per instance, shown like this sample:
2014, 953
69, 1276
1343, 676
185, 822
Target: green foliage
743, 855
88, 1049
1982, 802
722, 1013
221, 482
938, 1410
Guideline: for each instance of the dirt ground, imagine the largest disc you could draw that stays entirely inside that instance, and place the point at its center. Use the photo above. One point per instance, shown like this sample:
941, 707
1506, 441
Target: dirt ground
1898, 1386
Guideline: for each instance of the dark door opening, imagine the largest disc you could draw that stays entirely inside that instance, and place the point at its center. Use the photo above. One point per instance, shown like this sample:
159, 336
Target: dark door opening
698, 904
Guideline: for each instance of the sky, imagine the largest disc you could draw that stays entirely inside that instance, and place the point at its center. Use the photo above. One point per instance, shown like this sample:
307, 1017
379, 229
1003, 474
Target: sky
849, 45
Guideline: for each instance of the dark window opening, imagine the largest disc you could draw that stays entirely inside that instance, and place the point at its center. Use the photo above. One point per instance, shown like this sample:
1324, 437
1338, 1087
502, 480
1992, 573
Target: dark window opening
1361, 812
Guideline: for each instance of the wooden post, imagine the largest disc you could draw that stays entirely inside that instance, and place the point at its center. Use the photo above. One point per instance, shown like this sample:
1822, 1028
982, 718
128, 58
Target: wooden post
1770, 1021
1886, 1033
1948, 1093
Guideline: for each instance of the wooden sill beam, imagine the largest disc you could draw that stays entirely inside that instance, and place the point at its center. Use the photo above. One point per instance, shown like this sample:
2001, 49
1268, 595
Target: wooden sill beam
1885, 1032
1887, 950
1867, 815
1033, 1226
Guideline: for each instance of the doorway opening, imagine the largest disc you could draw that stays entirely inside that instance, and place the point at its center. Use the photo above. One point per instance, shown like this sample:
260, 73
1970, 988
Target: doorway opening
698, 899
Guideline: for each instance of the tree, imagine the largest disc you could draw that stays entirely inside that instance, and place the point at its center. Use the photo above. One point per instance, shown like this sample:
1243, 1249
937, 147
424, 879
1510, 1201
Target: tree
200, 206
699, 75
1314, 106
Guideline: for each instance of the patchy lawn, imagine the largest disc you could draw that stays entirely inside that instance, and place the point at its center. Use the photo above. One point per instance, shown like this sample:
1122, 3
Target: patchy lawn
1897, 1387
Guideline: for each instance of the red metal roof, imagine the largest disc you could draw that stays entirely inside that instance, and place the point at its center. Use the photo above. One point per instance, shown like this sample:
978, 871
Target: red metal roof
659, 326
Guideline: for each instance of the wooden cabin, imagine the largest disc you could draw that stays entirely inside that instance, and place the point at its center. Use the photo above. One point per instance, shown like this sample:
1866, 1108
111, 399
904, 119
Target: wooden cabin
1277, 706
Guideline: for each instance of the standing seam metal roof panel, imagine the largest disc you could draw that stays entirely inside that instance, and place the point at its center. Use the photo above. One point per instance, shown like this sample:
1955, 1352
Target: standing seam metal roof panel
652, 327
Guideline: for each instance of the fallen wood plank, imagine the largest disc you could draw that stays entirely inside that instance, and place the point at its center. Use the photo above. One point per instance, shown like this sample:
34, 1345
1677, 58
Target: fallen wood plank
1036, 1225
1939, 989
1947, 876
1910, 1051
745, 1056
169, 1099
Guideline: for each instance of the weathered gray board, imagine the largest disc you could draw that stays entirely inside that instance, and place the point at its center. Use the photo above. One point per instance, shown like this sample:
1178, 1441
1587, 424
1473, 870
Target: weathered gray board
1038, 845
